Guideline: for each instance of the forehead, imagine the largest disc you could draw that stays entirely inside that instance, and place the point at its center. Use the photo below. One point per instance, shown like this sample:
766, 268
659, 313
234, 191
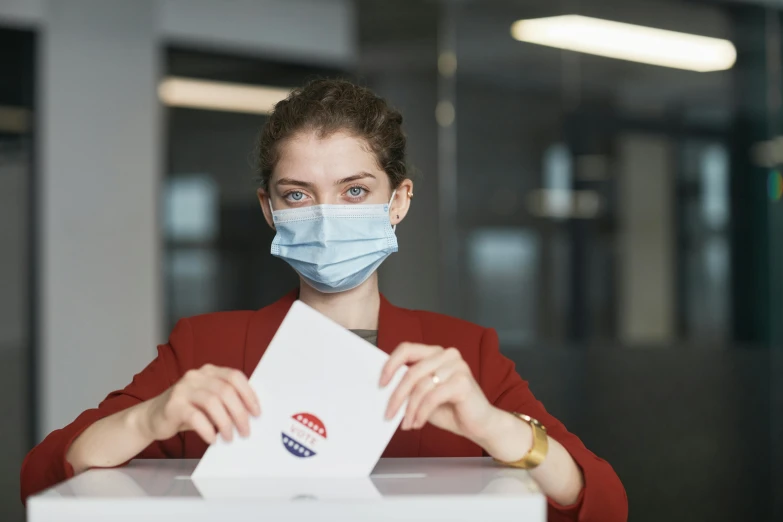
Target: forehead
309, 157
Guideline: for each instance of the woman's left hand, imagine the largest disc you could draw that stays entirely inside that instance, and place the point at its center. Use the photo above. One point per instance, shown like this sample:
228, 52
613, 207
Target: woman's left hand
440, 389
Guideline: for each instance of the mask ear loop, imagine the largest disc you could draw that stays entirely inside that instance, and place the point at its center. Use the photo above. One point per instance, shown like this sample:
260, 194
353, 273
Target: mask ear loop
271, 209
394, 194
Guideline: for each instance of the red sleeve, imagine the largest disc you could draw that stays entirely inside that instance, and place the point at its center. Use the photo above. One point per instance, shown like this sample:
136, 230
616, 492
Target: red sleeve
603, 498
46, 465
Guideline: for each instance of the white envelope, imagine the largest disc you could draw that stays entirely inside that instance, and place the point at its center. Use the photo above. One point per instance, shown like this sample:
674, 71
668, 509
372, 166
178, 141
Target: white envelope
322, 410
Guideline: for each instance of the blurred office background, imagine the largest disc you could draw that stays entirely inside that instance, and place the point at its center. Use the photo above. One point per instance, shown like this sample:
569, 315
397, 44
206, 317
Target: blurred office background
618, 223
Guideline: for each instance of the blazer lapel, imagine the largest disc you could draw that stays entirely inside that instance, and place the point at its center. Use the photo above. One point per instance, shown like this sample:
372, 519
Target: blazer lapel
263, 326
396, 326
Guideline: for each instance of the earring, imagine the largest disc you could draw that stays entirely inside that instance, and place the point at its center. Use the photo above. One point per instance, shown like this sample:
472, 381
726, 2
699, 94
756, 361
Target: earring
410, 194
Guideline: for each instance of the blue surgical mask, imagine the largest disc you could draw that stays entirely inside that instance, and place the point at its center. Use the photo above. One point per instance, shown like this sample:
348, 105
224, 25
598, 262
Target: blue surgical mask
334, 247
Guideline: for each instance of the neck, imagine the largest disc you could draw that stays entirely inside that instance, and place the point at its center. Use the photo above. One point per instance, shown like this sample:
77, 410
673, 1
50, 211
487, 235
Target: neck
355, 309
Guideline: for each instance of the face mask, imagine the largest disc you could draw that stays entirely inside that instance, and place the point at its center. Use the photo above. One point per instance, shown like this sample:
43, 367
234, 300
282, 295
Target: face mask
334, 247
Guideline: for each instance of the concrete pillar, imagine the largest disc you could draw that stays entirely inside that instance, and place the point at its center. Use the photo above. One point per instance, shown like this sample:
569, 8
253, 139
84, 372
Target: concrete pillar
100, 156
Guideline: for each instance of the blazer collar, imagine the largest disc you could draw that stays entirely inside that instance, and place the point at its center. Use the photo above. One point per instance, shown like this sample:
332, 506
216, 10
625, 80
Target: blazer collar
395, 325
263, 325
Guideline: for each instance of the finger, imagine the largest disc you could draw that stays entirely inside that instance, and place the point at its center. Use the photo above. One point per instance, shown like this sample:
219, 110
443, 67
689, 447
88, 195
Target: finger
240, 383
199, 423
421, 370
424, 387
215, 410
449, 392
405, 353
235, 407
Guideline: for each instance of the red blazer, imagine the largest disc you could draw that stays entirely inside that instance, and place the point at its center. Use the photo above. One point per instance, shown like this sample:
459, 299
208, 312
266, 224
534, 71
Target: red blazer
239, 339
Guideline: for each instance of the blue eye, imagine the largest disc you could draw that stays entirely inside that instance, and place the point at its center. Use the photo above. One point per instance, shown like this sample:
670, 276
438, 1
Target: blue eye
296, 196
355, 192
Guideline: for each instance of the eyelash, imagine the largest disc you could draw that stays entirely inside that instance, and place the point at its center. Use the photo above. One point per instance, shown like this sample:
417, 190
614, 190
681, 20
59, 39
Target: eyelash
288, 194
363, 195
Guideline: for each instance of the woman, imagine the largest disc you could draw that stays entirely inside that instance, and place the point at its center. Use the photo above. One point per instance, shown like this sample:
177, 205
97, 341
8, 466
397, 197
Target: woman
334, 187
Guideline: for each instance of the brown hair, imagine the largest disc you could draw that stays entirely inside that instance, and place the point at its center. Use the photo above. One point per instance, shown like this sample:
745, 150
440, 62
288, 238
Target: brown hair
329, 106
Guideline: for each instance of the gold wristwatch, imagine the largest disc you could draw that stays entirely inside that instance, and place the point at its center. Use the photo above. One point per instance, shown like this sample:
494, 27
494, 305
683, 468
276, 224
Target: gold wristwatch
538, 451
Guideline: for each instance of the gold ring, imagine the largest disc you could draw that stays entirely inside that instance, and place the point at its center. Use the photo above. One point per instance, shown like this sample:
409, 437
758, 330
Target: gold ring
435, 379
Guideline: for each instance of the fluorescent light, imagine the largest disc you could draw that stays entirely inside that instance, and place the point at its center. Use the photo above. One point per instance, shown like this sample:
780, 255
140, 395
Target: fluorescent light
635, 43
220, 96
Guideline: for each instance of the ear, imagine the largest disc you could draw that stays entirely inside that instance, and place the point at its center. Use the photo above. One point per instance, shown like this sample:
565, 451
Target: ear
401, 202
264, 200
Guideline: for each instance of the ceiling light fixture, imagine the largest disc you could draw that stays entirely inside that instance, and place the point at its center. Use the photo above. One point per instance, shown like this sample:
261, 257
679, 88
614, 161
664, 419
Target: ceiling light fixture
220, 96
630, 42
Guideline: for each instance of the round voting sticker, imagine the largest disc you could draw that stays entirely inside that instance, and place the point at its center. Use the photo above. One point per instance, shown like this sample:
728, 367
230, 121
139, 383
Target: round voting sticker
304, 436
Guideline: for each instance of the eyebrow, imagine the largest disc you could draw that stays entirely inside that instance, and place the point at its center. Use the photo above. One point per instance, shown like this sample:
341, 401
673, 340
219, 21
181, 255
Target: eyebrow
307, 184
355, 177
296, 182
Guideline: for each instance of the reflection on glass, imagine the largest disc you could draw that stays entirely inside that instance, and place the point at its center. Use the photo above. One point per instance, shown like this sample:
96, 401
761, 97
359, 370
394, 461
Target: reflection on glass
706, 253
192, 275
191, 208
557, 168
503, 265
558, 172
715, 186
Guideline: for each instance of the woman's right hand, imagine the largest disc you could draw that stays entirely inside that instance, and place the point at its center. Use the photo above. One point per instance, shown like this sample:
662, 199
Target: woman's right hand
209, 400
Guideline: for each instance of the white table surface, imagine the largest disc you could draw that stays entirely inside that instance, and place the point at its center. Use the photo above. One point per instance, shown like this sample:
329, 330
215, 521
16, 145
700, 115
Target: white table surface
461, 489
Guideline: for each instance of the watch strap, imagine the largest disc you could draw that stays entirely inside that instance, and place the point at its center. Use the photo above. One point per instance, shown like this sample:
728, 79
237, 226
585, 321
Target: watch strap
538, 451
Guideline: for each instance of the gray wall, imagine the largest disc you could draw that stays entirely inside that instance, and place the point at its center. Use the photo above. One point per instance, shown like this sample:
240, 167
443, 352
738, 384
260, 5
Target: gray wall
315, 30
100, 149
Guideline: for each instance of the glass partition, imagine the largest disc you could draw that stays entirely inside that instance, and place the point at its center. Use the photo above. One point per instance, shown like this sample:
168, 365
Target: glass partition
617, 219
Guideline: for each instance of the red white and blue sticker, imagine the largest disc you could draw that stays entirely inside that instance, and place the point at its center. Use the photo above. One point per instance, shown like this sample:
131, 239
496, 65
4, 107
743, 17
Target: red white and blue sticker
305, 435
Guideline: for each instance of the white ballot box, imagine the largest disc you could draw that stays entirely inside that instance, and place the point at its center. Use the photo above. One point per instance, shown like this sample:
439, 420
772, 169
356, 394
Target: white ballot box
428, 489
